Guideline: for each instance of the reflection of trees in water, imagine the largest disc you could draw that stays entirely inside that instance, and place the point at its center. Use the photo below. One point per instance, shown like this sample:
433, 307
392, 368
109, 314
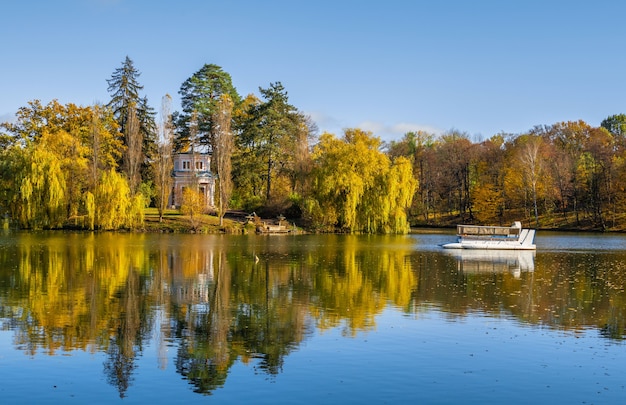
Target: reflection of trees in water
245, 316
129, 330
220, 306
565, 290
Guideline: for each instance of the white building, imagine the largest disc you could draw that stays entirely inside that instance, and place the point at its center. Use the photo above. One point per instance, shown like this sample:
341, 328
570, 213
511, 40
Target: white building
192, 170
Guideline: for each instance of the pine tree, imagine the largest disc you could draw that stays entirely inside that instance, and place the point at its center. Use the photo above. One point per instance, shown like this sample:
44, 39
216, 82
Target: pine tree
200, 95
128, 106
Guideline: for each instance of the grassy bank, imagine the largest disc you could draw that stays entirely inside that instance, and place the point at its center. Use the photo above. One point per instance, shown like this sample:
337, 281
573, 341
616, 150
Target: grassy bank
175, 222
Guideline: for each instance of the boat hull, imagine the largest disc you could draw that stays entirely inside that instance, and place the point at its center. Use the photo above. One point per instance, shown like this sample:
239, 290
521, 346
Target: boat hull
524, 241
488, 246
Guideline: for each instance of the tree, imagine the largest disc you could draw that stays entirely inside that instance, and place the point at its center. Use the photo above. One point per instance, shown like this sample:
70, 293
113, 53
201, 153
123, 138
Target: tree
104, 144
43, 190
81, 140
418, 147
454, 157
162, 163
193, 205
271, 133
116, 207
357, 187
223, 149
135, 118
247, 168
200, 95
531, 168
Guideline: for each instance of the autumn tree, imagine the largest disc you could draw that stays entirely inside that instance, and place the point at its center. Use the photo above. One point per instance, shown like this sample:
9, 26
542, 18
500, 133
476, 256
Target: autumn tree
357, 187
193, 205
419, 148
487, 180
454, 157
568, 140
527, 172
57, 158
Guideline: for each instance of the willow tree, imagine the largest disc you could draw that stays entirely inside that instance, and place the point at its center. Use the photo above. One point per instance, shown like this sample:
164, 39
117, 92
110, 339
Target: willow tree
358, 186
82, 140
223, 149
117, 207
42, 190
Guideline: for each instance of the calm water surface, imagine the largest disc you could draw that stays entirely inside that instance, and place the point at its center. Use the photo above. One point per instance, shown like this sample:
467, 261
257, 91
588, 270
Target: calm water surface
310, 319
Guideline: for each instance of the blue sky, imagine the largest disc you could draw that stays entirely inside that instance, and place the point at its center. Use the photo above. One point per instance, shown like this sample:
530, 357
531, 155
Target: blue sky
480, 67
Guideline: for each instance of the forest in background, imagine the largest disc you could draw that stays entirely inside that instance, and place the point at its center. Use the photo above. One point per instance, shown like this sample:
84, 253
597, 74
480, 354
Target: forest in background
99, 167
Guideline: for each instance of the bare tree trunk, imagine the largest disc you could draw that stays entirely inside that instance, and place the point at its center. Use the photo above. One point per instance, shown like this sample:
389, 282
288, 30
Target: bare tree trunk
162, 164
133, 155
223, 149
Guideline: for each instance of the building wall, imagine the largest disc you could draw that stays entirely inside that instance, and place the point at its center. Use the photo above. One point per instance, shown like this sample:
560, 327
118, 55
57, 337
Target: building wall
192, 170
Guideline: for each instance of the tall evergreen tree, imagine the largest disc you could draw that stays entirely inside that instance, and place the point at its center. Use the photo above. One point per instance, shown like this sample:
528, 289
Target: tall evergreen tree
127, 105
271, 131
200, 95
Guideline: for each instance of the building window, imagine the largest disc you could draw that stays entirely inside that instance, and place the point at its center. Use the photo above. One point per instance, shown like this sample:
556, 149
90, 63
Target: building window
186, 165
199, 165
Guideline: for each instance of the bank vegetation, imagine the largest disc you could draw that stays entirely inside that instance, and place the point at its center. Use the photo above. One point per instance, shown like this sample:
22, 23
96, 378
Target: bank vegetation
103, 167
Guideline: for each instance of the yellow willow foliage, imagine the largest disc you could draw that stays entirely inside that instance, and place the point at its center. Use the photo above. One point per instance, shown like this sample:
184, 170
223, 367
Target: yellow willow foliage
75, 300
116, 208
367, 191
43, 191
90, 207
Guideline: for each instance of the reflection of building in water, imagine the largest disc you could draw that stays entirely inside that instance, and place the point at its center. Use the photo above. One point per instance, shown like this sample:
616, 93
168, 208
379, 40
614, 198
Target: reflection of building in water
192, 275
494, 261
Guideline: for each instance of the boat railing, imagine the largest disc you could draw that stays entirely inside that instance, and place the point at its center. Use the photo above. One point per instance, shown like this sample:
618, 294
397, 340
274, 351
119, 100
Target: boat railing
487, 232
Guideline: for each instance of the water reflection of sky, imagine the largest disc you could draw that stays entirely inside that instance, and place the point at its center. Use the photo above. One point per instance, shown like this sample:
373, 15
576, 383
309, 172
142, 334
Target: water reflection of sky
578, 241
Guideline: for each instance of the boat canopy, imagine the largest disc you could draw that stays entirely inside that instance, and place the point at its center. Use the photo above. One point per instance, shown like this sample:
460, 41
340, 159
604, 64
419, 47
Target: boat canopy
475, 230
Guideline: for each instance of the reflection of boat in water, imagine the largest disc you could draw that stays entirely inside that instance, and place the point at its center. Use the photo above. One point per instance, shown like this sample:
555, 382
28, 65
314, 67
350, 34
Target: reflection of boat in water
492, 261
512, 237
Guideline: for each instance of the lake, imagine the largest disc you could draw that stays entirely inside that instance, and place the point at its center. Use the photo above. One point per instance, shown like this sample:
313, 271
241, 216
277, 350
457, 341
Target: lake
163, 318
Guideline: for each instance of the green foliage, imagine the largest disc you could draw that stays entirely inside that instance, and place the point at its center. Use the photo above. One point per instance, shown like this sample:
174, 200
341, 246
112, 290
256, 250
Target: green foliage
147, 191
135, 117
199, 98
271, 133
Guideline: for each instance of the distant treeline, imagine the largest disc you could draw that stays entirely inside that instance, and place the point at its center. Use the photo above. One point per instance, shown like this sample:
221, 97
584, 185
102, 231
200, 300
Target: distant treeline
568, 174
98, 167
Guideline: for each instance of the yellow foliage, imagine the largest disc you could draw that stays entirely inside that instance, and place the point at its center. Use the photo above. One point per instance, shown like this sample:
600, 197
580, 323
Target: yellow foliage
116, 207
193, 205
364, 188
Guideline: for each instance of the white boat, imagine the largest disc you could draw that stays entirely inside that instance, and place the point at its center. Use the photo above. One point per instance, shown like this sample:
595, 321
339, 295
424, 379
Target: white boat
512, 237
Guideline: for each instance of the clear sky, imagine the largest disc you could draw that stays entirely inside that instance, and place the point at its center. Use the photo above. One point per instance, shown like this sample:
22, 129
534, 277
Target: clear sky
480, 67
